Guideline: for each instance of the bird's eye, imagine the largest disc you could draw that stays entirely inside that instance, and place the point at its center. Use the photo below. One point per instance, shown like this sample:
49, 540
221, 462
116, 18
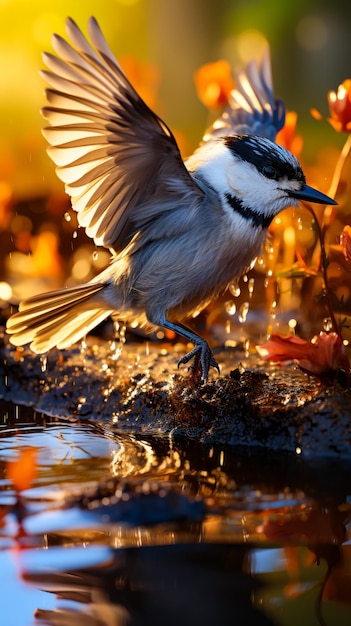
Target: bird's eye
269, 172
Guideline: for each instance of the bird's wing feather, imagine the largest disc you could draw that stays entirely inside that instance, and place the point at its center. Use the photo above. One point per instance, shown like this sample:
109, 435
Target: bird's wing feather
252, 108
111, 151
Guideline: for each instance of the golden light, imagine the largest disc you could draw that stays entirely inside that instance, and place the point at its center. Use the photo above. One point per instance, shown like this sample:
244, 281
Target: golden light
5, 291
250, 43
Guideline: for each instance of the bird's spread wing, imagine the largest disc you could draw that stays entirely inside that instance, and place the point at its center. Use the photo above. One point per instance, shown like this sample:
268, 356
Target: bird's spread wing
252, 108
112, 152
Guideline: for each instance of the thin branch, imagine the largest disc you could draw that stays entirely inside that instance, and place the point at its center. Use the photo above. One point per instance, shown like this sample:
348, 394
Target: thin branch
339, 167
324, 267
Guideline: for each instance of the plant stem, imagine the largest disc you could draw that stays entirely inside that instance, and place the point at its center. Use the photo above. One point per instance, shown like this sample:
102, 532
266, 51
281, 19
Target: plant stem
339, 167
321, 230
324, 266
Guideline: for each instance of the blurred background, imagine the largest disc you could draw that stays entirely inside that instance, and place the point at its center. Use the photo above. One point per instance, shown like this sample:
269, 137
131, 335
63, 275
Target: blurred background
160, 44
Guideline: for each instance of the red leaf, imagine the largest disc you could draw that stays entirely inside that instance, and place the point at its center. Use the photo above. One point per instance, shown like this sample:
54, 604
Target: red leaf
324, 353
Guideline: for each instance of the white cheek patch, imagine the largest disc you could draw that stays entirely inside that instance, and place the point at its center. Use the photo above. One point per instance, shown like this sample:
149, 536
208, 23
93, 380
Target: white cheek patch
226, 174
256, 191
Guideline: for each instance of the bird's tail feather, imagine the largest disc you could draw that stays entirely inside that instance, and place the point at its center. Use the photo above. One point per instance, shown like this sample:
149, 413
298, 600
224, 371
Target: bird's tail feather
58, 318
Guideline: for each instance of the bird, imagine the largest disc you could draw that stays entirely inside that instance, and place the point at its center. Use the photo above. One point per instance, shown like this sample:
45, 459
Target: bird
179, 231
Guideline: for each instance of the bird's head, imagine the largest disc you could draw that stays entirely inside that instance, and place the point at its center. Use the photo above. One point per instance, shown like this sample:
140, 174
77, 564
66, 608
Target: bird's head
255, 177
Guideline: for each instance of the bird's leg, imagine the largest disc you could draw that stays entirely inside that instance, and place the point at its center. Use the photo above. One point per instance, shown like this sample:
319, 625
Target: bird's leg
201, 353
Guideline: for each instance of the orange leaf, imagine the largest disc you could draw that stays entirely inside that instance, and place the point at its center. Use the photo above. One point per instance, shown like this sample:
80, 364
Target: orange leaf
324, 353
23, 470
214, 83
316, 114
345, 240
288, 137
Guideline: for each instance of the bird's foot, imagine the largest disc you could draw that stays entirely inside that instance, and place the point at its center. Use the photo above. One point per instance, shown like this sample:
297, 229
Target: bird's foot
203, 359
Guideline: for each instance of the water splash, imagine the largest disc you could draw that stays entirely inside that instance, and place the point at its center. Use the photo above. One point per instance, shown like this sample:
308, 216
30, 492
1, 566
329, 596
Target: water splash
230, 307
273, 311
292, 323
327, 324
243, 311
119, 339
83, 346
268, 277
6, 378
234, 288
251, 286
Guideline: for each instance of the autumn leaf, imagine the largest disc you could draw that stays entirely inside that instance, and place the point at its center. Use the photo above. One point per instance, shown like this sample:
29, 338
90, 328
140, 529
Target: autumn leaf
324, 353
214, 82
340, 107
288, 136
23, 470
345, 240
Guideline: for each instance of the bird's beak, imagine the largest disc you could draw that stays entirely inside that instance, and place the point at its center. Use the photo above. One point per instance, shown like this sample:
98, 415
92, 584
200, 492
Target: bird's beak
309, 194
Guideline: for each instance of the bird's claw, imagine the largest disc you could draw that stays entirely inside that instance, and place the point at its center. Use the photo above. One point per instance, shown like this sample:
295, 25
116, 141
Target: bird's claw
203, 358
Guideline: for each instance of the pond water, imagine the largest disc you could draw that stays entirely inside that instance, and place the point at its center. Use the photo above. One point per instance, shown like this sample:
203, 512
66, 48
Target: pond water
116, 530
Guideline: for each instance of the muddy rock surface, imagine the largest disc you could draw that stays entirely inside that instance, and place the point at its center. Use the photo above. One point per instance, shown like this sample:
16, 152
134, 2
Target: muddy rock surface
141, 391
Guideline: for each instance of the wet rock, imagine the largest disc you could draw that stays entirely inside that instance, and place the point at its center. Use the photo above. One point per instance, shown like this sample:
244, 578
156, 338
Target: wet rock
139, 503
142, 392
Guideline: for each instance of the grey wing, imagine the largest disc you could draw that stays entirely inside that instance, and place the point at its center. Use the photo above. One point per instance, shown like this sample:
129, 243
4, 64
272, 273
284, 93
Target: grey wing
252, 107
112, 152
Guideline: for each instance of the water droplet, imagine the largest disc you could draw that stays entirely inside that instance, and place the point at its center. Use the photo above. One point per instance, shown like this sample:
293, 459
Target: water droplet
95, 255
67, 216
292, 325
246, 346
227, 327
83, 346
230, 307
75, 234
243, 311
327, 324
116, 345
251, 286
269, 248
234, 288
273, 312
43, 362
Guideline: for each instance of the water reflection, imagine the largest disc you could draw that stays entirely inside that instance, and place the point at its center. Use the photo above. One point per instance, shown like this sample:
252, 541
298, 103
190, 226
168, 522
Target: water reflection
118, 530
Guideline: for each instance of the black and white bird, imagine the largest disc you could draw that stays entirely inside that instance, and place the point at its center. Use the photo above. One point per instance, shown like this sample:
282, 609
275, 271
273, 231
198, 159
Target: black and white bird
179, 232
